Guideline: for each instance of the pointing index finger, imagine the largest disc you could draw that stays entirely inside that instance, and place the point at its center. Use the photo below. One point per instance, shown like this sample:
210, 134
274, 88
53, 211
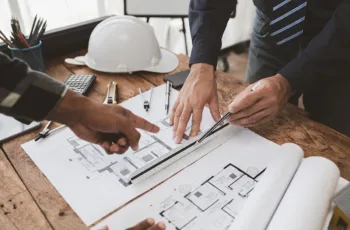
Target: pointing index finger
144, 124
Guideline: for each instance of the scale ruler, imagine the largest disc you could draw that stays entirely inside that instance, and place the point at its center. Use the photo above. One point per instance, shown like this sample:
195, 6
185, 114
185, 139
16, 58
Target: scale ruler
171, 157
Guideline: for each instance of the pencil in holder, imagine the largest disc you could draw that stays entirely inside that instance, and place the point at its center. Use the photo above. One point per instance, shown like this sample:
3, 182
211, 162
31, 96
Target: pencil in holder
32, 56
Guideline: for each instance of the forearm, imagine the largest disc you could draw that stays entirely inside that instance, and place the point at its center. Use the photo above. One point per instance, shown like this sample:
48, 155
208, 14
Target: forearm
208, 19
327, 53
27, 94
71, 109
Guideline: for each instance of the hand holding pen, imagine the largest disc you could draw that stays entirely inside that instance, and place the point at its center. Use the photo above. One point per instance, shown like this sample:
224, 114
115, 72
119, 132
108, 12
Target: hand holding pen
252, 108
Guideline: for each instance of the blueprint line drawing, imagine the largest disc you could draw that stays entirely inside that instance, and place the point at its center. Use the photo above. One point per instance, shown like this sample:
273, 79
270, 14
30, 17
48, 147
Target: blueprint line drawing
151, 146
76, 167
207, 194
217, 200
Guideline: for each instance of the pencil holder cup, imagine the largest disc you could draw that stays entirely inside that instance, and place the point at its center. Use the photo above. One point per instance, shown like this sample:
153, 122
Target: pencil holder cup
32, 56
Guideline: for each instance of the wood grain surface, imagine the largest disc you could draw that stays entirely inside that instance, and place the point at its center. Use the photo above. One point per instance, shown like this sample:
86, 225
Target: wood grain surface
18, 209
56, 210
292, 126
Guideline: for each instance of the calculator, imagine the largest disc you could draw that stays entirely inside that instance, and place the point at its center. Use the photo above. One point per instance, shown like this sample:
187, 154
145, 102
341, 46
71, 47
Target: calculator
80, 83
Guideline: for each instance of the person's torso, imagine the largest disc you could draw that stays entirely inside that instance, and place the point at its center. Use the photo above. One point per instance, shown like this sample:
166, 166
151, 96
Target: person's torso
316, 12
319, 8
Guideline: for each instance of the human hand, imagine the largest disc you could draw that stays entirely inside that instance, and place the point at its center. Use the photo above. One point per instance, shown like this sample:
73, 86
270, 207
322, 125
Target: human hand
111, 126
148, 224
252, 108
198, 90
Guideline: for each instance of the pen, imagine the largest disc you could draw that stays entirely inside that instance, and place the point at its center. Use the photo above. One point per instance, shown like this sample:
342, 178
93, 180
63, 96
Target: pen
222, 119
213, 127
167, 96
255, 86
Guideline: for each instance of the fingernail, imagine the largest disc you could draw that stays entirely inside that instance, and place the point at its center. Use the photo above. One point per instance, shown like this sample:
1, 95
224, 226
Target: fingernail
177, 140
136, 148
122, 141
150, 221
161, 225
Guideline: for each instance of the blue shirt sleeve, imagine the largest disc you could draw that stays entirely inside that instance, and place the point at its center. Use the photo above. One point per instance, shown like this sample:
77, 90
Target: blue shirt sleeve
208, 20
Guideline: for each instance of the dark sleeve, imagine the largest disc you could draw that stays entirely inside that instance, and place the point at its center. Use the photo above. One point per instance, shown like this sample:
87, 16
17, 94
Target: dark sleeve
25, 94
208, 19
328, 52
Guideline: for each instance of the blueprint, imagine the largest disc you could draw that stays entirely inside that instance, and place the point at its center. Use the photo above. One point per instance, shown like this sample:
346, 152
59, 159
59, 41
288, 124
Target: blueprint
151, 146
207, 195
217, 201
94, 183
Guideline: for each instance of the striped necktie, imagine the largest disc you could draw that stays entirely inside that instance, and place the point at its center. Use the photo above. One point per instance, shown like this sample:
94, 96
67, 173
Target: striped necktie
288, 21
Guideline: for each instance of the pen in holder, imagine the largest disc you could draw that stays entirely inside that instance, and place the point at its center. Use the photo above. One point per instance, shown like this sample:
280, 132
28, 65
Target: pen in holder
32, 56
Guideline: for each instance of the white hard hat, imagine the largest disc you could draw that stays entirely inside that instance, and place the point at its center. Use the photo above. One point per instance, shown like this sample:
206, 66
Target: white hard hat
123, 44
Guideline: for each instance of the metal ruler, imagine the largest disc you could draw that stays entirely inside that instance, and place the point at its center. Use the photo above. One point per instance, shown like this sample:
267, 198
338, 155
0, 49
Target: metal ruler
170, 157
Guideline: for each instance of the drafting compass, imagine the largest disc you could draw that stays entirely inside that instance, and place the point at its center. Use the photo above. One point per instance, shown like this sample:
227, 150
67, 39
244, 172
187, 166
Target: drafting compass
146, 103
46, 131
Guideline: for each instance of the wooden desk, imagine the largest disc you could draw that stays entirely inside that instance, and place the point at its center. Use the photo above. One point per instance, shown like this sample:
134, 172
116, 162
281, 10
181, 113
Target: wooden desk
46, 209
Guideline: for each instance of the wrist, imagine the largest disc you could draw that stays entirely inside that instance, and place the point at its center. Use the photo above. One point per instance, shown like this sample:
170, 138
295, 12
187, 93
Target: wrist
284, 85
203, 66
202, 69
71, 109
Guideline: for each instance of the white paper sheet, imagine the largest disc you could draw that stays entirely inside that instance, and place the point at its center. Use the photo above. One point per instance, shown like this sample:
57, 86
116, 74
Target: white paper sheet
306, 202
92, 182
207, 195
265, 198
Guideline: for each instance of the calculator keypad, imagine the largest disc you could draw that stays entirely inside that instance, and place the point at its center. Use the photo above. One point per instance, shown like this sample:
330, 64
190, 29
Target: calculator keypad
79, 83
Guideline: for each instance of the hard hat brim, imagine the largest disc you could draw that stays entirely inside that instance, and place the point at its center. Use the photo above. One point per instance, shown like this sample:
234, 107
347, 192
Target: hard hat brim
167, 63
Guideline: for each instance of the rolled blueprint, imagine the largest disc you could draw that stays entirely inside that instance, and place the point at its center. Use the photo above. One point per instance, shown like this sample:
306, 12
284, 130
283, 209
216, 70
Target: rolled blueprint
306, 202
266, 196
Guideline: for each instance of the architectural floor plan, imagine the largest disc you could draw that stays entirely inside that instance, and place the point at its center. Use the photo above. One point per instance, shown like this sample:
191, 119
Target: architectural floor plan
96, 184
151, 146
76, 167
209, 194
216, 201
